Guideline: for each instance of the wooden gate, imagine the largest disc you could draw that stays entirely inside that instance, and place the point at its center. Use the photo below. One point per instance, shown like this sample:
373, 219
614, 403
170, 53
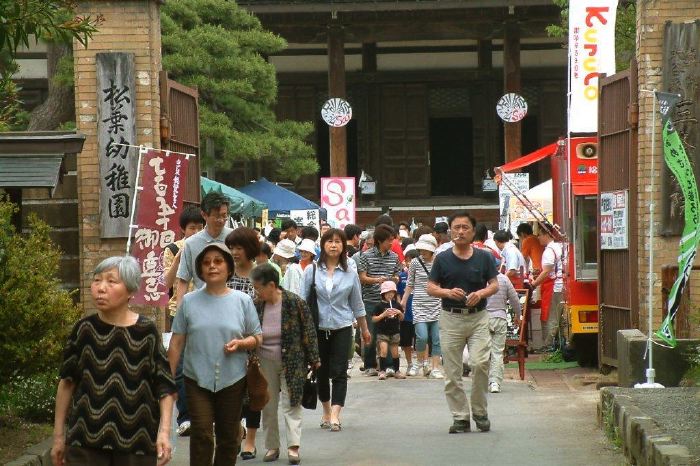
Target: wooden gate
617, 171
404, 141
179, 113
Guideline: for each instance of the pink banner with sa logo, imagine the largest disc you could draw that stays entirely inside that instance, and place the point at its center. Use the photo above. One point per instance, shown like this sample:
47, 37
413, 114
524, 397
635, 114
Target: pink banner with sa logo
159, 207
338, 198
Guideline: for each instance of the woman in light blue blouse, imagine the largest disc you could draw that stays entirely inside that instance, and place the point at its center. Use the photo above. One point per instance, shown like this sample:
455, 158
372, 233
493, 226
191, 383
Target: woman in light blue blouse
339, 302
219, 325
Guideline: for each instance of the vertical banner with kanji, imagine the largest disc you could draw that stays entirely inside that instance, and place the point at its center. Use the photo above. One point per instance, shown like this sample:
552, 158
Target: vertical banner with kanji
591, 53
338, 198
157, 217
116, 128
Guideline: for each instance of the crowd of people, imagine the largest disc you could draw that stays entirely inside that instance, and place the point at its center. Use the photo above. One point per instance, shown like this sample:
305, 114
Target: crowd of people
303, 302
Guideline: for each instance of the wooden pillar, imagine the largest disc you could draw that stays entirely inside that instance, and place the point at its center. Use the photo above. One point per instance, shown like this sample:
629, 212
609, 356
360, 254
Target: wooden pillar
484, 54
511, 83
369, 57
336, 88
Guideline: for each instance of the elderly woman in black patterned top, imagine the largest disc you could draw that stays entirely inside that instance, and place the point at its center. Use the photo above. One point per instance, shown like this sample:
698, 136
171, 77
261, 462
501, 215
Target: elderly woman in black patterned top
245, 247
116, 388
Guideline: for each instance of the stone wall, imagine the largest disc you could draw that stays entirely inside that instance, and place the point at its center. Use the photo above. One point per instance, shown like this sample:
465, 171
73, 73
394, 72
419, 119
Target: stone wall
131, 26
651, 18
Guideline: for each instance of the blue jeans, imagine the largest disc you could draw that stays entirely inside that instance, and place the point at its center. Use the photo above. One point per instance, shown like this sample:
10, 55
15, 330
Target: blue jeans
423, 329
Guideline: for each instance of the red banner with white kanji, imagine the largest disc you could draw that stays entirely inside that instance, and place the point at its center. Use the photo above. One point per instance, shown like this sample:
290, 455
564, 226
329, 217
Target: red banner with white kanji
157, 221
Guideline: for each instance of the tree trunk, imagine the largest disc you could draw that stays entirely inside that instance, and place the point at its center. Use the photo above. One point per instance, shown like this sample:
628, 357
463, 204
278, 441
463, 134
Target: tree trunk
59, 106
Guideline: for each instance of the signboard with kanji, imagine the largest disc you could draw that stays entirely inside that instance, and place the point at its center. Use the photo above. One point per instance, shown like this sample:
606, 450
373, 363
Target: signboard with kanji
614, 231
116, 128
306, 218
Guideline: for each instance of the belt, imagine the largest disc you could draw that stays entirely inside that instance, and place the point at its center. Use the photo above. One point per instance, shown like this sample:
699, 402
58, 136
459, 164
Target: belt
462, 310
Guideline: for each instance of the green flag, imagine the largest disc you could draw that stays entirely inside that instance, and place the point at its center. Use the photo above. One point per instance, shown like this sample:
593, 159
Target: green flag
677, 161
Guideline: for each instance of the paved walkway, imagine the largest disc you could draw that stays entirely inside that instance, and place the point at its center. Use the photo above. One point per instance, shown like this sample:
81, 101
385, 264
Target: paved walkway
549, 419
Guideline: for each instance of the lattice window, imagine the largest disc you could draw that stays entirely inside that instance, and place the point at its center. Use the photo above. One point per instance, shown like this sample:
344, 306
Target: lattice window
448, 101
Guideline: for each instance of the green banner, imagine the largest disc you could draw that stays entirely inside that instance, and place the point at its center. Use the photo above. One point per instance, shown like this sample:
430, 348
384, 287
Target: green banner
677, 161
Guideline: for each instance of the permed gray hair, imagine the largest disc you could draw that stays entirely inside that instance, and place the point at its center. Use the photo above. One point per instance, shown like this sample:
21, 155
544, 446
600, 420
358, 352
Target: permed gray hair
127, 267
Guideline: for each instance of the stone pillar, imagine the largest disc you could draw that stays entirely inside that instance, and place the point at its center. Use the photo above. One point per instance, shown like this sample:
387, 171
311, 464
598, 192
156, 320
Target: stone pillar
130, 26
336, 88
511, 83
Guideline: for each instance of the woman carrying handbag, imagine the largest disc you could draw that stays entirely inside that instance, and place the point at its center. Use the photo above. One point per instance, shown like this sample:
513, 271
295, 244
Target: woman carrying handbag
339, 301
289, 349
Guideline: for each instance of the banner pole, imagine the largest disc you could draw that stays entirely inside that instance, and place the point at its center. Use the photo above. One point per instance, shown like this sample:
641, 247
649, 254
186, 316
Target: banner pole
137, 188
651, 372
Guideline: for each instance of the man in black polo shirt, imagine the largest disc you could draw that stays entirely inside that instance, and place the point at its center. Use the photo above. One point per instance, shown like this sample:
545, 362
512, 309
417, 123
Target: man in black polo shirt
463, 277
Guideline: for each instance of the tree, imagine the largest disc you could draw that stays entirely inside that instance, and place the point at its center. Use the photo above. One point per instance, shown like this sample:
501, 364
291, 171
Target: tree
55, 22
220, 48
36, 315
625, 30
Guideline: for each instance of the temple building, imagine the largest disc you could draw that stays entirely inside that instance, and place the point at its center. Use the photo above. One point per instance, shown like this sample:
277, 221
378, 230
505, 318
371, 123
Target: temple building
423, 79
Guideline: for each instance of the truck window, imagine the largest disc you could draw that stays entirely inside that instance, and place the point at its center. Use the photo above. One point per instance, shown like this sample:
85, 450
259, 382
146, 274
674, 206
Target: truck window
586, 237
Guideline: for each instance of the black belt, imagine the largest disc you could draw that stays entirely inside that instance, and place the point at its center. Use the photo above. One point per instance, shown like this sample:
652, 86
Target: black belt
463, 310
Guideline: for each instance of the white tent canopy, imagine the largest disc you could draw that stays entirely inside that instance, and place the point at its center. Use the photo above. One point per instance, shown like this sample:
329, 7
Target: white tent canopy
540, 197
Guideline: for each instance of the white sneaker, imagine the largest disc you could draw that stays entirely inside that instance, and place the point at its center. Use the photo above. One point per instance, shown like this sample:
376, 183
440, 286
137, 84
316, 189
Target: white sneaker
426, 370
494, 388
389, 373
371, 372
413, 370
436, 374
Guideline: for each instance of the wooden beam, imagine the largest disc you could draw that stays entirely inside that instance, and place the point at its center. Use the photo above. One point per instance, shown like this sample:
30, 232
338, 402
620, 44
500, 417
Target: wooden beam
512, 83
390, 6
336, 88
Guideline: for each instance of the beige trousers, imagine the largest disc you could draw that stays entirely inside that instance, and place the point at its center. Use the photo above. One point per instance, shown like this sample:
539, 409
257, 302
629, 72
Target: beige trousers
456, 331
277, 386
498, 328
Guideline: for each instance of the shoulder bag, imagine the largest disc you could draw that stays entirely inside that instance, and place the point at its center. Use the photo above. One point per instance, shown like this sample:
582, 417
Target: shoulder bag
257, 384
312, 298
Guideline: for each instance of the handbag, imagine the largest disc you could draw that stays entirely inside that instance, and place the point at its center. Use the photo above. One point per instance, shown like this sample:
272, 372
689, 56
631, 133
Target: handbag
309, 397
257, 384
312, 299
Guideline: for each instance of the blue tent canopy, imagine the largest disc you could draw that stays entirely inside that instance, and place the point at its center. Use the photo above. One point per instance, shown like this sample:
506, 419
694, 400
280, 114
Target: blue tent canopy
240, 203
278, 199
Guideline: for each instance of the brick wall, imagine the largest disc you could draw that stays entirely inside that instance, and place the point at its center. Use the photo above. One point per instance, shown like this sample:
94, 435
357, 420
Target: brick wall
651, 17
130, 26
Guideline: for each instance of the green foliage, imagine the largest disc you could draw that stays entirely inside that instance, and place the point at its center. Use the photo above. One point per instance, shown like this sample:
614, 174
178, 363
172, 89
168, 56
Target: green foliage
612, 430
20, 21
30, 398
12, 116
220, 48
36, 315
625, 30
555, 357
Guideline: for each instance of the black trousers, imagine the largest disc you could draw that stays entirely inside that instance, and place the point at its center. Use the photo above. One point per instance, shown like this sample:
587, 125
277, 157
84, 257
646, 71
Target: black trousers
333, 348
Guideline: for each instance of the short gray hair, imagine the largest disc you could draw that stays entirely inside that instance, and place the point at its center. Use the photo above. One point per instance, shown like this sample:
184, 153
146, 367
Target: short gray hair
128, 268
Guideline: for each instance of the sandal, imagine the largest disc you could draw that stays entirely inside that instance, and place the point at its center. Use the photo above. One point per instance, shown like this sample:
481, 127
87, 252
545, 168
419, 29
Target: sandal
336, 427
325, 424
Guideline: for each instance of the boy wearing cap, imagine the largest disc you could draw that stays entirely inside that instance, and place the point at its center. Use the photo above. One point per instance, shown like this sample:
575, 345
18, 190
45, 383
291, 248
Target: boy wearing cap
283, 256
387, 317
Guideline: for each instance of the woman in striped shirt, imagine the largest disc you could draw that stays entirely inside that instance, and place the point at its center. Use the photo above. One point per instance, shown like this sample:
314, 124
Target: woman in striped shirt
426, 309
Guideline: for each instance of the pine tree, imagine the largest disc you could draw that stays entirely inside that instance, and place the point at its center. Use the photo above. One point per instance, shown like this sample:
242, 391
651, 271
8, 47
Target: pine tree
220, 48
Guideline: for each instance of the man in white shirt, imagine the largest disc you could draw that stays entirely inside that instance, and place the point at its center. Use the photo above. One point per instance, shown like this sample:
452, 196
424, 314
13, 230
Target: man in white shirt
513, 265
552, 281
